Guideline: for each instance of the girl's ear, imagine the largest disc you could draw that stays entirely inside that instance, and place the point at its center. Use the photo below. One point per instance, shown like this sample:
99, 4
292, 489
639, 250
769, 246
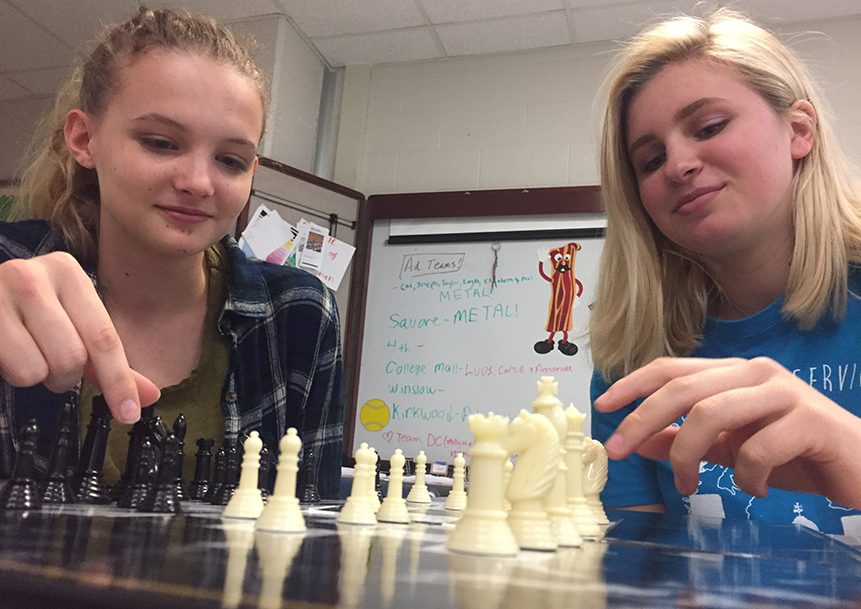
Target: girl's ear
802, 120
78, 133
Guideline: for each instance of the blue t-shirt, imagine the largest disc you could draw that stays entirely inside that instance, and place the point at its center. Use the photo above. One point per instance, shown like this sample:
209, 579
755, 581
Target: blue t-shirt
828, 357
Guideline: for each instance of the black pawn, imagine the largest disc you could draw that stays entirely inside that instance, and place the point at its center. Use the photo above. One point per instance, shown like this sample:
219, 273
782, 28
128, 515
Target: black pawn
136, 437
231, 476
91, 487
144, 477
56, 487
263, 472
310, 494
202, 467
218, 476
162, 497
377, 486
21, 491
179, 429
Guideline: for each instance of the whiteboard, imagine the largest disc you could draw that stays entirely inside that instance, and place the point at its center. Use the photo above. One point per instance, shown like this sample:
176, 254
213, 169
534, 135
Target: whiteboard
441, 342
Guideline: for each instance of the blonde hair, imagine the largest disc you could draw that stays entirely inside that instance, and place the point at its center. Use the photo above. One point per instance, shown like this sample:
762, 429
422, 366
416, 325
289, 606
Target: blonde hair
652, 297
54, 187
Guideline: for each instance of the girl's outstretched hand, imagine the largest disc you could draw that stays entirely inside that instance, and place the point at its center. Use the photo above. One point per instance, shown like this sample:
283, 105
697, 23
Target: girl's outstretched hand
55, 330
754, 416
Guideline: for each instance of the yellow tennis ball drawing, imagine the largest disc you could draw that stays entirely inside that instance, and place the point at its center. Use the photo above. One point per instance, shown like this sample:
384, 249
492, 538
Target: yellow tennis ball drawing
374, 414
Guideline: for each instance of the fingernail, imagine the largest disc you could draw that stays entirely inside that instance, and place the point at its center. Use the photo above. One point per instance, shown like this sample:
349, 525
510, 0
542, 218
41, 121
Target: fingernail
616, 446
130, 412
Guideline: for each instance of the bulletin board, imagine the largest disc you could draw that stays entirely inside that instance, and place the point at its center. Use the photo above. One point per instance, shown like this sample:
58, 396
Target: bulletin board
454, 305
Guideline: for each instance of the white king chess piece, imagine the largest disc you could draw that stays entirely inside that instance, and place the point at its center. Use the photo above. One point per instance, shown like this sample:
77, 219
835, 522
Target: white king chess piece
547, 404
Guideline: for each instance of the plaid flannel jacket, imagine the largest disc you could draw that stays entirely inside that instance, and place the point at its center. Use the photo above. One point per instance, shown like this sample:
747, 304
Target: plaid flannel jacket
285, 365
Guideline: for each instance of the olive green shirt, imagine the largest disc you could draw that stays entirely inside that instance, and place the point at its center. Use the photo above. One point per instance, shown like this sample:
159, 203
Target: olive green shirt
197, 397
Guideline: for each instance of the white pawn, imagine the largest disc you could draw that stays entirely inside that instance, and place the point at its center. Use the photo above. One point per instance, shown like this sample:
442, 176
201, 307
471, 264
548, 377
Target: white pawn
419, 492
282, 512
358, 509
394, 508
247, 502
456, 499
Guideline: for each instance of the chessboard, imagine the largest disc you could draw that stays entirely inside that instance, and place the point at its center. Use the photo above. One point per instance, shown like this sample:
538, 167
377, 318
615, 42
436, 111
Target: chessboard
101, 556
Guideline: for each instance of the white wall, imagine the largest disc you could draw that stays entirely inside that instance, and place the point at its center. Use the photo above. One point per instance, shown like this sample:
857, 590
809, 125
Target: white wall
522, 120
18, 120
295, 73
293, 68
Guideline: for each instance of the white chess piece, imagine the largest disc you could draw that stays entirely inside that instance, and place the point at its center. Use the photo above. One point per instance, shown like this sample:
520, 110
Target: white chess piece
282, 512
275, 554
419, 492
507, 469
456, 499
358, 509
556, 504
575, 441
595, 478
239, 535
355, 551
394, 508
389, 539
483, 528
247, 502
535, 441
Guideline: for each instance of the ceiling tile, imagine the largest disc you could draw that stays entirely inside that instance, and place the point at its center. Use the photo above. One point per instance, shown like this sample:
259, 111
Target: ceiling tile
41, 82
11, 90
775, 12
75, 23
379, 47
18, 32
509, 34
622, 22
223, 10
337, 17
450, 11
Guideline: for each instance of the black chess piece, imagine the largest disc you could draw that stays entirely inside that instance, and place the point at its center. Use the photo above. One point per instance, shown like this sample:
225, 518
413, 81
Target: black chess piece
377, 486
136, 437
144, 477
310, 493
91, 486
157, 432
202, 467
218, 476
263, 473
179, 428
21, 491
56, 487
231, 476
162, 496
